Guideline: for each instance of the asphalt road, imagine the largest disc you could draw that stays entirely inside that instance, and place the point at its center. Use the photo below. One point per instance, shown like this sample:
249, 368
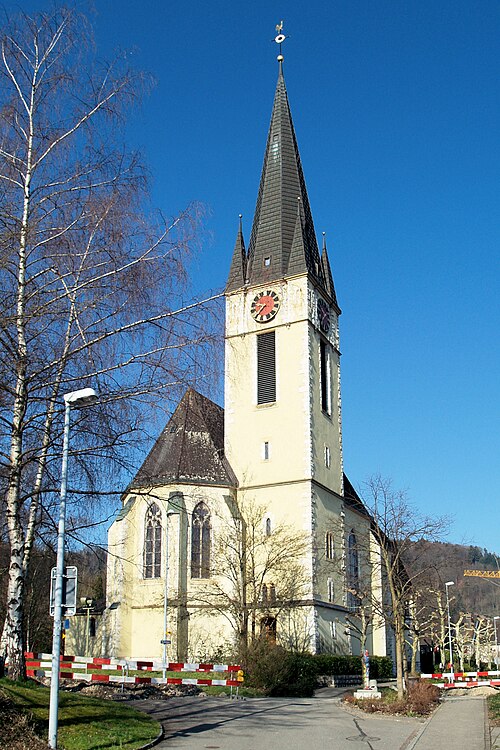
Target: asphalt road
281, 724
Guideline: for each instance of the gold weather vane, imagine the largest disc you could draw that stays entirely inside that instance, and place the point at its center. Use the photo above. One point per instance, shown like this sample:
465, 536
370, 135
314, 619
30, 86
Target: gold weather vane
280, 38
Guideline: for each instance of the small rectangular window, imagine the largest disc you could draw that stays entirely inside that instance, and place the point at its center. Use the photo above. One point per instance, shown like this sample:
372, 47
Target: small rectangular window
266, 368
265, 451
331, 591
328, 457
267, 260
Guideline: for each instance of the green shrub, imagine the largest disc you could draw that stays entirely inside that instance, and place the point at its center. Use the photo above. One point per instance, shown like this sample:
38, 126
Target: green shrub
279, 672
380, 666
334, 664
286, 673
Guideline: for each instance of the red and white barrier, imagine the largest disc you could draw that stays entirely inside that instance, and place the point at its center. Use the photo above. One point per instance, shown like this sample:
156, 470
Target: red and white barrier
106, 678
441, 675
36, 663
469, 684
464, 679
154, 665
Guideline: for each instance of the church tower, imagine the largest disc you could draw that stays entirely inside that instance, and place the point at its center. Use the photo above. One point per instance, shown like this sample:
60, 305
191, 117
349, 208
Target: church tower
282, 369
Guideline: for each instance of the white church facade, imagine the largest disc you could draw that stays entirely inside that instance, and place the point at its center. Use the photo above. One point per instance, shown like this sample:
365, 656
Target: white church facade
276, 446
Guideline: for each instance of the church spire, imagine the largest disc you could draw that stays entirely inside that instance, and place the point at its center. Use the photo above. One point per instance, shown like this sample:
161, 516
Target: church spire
283, 241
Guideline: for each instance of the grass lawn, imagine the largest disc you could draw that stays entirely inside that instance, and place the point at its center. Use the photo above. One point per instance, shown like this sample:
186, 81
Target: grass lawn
494, 709
84, 723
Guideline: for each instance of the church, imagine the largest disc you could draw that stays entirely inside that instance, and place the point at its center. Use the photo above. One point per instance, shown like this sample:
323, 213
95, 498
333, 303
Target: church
273, 453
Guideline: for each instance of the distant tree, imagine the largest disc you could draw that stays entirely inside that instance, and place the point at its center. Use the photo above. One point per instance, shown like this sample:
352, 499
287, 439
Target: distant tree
396, 525
92, 285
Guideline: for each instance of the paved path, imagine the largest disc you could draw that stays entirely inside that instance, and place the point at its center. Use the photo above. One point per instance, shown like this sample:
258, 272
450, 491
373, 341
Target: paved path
198, 723
280, 724
459, 722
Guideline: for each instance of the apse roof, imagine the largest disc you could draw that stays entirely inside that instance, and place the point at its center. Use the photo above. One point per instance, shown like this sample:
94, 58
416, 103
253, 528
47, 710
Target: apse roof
190, 449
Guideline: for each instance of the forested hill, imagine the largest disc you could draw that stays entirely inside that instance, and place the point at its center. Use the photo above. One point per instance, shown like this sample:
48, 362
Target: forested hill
447, 562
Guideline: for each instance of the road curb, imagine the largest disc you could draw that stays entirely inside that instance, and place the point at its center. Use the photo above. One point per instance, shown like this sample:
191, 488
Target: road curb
487, 731
157, 739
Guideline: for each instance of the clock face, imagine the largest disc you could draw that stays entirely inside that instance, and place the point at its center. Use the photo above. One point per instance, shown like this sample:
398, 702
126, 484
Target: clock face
265, 306
323, 315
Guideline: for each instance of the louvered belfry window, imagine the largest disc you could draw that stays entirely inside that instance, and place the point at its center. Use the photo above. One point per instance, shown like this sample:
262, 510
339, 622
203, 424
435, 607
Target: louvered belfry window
152, 542
266, 368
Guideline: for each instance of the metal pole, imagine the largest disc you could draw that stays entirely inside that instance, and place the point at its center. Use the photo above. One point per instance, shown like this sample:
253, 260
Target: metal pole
165, 602
56, 633
452, 677
496, 640
88, 631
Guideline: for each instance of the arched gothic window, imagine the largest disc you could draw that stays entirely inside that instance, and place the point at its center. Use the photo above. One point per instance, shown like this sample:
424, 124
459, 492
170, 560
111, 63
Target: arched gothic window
268, 527
200, 542
152, 542
352, 573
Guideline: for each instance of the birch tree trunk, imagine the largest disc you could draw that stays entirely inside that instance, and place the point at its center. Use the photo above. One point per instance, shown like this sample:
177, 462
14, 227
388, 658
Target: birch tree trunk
93, 286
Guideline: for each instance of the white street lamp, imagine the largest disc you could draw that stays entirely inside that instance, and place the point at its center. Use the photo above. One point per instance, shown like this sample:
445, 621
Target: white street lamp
87, 603
83, 397
165, 638
497, 617
447, 585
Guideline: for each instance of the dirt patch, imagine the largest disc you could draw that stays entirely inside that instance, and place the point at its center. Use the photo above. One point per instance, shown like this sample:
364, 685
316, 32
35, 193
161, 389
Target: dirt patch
17, 729
129, 692
420, 700
485, 690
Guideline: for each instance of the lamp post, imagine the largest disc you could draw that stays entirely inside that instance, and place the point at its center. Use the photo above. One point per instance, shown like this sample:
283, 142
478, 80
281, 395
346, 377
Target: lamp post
77, 399
497, 617
447, 585
165, 638
87, 604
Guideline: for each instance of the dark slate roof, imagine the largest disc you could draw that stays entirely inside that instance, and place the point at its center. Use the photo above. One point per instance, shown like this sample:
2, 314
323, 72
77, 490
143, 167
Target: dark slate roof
190, 449
283, 228
352, 499
238, 270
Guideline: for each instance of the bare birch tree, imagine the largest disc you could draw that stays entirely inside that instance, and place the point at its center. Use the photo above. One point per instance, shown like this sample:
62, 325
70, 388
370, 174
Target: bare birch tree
92, 284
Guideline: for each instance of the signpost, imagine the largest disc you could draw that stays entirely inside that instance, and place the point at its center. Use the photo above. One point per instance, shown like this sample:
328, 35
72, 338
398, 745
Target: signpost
70, 580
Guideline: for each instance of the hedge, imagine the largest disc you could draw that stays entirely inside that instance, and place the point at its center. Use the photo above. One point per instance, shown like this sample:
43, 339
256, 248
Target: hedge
330, 664
285, 673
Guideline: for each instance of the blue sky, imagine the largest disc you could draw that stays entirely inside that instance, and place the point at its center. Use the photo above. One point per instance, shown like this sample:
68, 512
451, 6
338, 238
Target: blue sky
397, 114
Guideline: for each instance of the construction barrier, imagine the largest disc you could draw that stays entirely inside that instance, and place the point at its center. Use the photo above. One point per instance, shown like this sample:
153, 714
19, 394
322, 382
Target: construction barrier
42, 663
469, 684
440, 675
464, 679
154, 665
